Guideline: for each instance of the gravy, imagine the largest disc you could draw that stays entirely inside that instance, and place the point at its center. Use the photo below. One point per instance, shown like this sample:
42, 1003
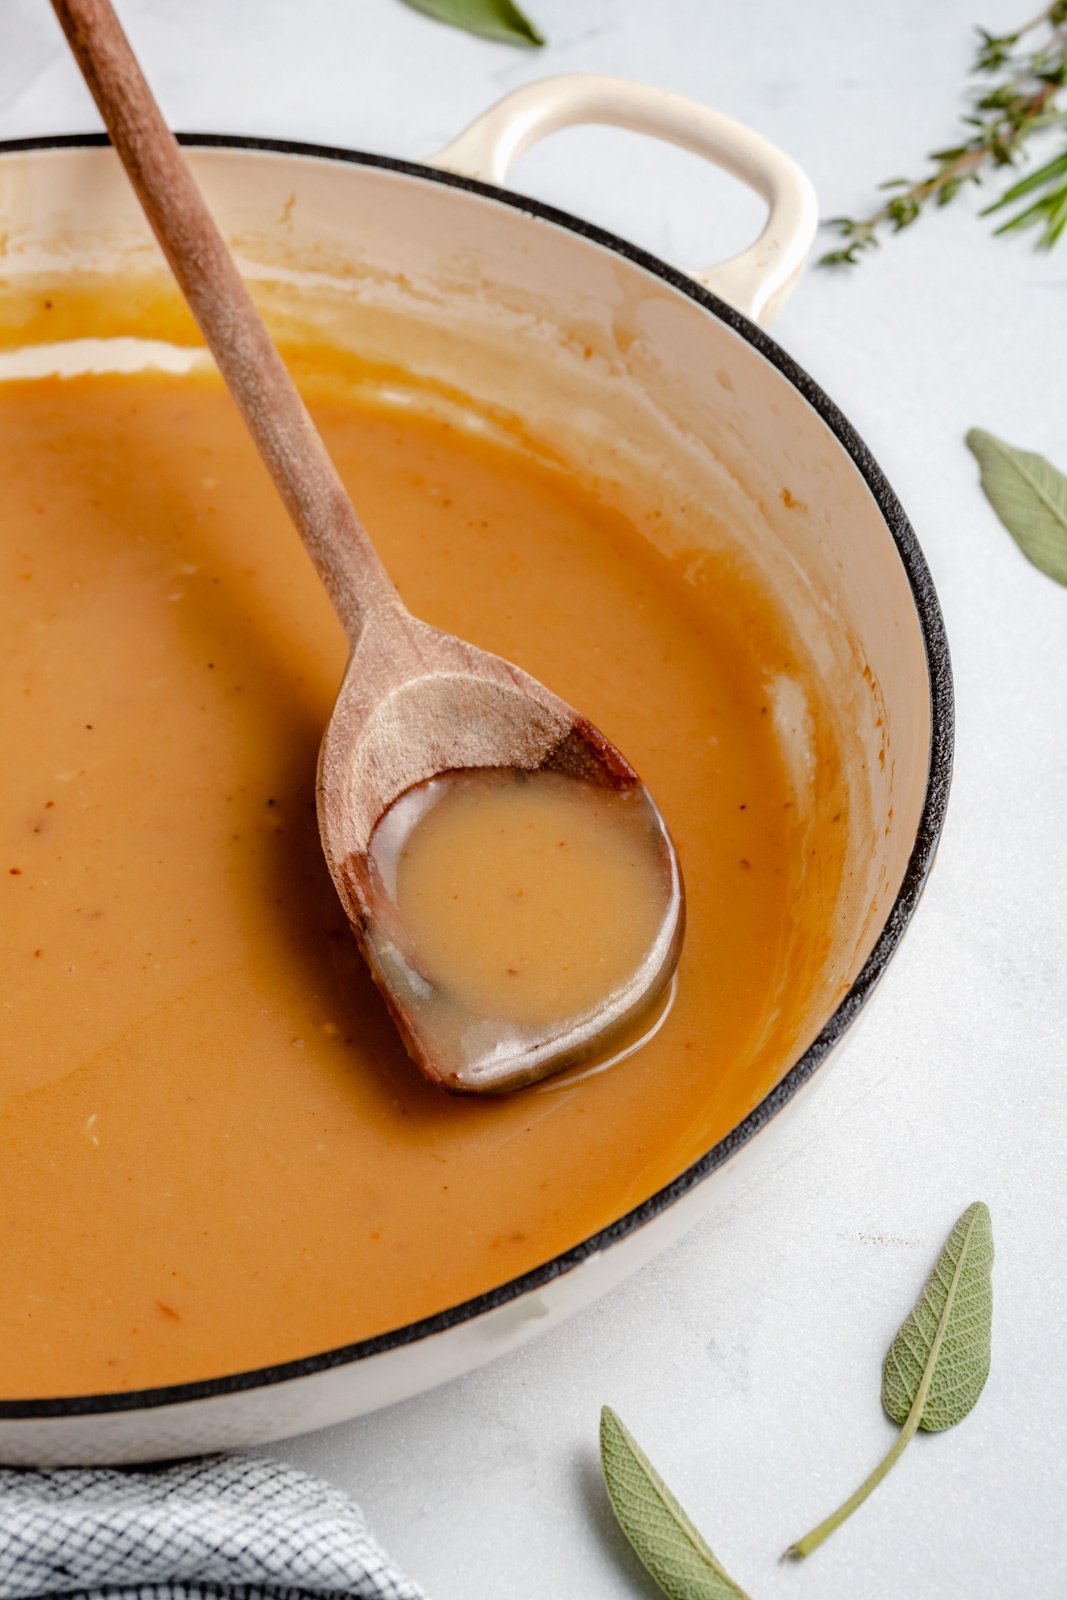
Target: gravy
215, 1154
512, 908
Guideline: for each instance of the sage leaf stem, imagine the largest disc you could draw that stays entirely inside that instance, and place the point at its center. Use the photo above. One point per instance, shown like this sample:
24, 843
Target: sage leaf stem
812, 1540
937, 1365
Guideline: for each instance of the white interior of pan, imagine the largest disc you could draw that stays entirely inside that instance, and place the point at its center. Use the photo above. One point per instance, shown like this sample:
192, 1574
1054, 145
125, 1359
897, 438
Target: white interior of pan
609, 367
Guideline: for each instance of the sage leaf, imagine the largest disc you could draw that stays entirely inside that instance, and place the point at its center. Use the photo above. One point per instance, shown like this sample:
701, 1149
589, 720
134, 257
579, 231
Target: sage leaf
1029, 496
492, 19
665, 1540
958, 1293
938, 1363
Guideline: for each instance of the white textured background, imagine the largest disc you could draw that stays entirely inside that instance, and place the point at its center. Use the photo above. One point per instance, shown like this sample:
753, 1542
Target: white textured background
747, 1360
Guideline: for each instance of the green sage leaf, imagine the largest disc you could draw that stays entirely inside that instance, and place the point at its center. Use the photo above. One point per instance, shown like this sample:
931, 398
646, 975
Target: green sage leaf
667, 1543
492, 19
1029, 496
938, 1363
959, 1292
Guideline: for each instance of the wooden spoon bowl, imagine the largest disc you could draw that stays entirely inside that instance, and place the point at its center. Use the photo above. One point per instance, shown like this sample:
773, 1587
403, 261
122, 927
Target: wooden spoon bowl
417, 703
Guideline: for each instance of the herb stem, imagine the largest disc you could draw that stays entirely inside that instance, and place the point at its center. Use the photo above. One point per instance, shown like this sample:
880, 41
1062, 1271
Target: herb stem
967, 164
1048, 15
1025, 98
811, 1541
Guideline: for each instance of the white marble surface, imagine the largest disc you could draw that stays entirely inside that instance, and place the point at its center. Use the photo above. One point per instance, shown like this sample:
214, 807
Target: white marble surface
747, 1360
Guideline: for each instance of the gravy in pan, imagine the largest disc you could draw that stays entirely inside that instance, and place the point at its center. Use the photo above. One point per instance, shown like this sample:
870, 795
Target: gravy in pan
214, 1153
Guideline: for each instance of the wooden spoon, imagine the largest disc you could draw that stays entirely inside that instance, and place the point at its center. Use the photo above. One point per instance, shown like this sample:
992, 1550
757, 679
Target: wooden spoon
415, 702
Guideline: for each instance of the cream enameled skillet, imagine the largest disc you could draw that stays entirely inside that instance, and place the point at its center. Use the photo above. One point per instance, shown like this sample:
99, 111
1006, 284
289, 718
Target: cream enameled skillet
648, 375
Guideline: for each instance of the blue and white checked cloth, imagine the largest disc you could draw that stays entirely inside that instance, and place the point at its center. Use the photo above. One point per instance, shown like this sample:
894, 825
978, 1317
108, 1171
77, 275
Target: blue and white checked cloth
219, 1529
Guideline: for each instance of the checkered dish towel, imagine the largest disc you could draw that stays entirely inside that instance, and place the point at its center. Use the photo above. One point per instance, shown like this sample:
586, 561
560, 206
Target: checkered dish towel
219, 1529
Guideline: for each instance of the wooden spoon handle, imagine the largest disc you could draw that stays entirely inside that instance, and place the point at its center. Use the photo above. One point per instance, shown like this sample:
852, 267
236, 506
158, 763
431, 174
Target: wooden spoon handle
277, 418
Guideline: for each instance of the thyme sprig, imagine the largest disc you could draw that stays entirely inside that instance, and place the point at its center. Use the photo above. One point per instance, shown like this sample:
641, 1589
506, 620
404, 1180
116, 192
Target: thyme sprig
1028, 95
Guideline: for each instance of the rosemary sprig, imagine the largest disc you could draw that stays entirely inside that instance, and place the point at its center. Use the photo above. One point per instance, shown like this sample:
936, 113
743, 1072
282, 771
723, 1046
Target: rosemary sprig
1027, 97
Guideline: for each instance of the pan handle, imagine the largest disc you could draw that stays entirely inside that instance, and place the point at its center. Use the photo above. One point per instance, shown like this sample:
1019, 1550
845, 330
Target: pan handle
758, 280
